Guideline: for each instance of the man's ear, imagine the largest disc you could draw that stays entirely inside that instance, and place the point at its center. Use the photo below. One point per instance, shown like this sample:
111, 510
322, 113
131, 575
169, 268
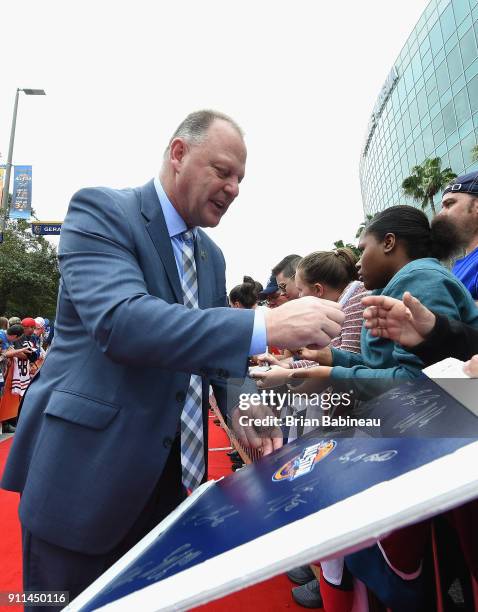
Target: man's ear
177, 152
389, 243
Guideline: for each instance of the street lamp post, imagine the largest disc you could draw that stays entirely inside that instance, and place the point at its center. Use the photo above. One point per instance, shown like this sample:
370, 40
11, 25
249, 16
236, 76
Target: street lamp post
6, 187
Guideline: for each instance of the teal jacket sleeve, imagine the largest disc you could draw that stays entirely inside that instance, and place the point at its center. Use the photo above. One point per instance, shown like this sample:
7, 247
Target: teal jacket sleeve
438, 291
346, 359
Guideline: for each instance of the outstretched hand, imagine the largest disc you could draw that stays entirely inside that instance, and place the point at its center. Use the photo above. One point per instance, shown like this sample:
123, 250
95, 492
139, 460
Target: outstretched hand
271, 360
318, 378
275, 377
407, 322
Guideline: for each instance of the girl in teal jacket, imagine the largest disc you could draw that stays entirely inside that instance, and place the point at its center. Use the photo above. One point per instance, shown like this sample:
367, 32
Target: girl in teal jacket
400, 252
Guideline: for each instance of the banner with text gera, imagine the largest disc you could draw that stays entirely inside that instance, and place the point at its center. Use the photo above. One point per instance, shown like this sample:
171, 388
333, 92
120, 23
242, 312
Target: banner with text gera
22, 193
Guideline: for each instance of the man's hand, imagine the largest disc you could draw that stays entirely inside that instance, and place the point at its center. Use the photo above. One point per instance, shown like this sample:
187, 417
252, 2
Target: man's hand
255, 428
471, 367
275, 377
322, 356
310, 321
407, 322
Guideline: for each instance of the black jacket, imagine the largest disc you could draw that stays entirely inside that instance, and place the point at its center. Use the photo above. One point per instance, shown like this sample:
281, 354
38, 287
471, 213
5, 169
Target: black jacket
449, 338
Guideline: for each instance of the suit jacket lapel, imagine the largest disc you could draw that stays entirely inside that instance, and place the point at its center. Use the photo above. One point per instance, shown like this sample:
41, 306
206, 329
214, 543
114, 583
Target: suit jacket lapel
158, 231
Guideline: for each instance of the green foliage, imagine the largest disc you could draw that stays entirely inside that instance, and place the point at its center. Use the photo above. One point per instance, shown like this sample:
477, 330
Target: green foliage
339, 244
474, 154
426, 180
363, 224
29, 274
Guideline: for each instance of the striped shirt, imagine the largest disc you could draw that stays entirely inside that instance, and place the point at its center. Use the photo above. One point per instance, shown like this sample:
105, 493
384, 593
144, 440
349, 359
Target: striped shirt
351, 301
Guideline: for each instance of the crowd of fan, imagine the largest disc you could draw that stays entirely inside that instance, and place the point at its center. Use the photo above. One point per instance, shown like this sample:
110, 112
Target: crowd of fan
384, 337
23, 343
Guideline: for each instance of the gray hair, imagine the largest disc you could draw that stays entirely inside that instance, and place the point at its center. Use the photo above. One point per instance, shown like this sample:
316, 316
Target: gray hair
194, 128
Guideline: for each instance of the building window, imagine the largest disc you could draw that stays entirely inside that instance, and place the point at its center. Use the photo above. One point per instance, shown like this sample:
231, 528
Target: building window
443, 80
461, 9
456, 159
462, 107
468, 47
428, 139
447, 21
473, 93
432, 91
455, 67
439, 138
413, 113
466, 146
436, 40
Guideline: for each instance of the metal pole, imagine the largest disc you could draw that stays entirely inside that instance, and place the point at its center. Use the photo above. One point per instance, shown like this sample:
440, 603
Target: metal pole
6, 187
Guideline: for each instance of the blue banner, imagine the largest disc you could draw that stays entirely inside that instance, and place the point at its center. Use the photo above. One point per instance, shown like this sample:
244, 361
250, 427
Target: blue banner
22, 193
46, 228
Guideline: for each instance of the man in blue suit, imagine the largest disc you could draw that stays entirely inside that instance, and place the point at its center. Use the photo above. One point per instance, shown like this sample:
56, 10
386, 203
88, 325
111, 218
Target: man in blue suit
103, 451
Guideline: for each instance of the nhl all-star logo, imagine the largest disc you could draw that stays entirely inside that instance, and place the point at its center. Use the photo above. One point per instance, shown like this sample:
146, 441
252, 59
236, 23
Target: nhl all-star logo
305, 462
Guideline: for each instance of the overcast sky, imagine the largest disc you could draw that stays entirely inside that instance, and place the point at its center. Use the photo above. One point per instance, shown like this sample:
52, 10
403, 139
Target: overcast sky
301, 78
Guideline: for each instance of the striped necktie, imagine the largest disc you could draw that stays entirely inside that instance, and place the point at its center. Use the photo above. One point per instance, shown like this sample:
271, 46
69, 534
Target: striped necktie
192, 438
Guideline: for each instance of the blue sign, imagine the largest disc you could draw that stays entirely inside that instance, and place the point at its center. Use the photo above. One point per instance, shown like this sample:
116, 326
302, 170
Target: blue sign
428, 428
22, 193
46, 228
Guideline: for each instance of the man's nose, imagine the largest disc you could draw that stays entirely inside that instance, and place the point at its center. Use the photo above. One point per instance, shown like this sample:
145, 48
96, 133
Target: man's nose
232, 187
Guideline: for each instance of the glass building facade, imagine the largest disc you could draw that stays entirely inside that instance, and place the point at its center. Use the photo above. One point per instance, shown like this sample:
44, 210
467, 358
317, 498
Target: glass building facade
428, 106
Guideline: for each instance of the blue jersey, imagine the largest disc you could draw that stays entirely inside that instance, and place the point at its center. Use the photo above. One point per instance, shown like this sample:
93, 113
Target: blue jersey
466, 269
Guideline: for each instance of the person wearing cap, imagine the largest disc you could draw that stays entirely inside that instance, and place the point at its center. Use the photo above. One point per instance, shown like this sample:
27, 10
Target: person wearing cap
29, 338
15, 349
272, 294
39, 331
39, 325
28, 324
460, 206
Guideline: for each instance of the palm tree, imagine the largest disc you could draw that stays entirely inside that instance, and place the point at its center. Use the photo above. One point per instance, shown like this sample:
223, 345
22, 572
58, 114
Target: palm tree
339, 244
474, 153
426, 180
363, 224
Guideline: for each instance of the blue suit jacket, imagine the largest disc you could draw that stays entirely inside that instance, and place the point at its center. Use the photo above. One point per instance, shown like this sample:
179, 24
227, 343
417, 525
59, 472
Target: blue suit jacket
98, 421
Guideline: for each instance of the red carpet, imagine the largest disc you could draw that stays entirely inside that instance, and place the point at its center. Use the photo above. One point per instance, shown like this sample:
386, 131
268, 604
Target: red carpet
270, 596
10, 536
